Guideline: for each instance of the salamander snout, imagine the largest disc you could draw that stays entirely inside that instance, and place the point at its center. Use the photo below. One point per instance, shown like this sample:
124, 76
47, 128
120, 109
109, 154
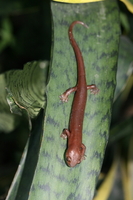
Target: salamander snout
73, 158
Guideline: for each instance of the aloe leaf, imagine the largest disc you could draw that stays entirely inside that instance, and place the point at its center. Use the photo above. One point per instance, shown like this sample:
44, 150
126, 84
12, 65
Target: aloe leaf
53, 179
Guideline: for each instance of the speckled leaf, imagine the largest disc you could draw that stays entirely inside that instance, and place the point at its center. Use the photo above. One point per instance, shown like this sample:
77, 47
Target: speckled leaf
27, 87
22, 91
8, 121
53, 179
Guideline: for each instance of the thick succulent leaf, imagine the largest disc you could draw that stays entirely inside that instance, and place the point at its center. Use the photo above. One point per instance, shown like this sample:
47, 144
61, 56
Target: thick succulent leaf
99, 43
129, 4
77, 1
123, 181
24, 175
16, 181
27, 87
22, 91
8, 121
106, 187
117, 185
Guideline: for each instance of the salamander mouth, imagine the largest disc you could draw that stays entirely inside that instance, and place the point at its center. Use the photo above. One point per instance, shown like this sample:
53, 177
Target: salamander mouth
70, 163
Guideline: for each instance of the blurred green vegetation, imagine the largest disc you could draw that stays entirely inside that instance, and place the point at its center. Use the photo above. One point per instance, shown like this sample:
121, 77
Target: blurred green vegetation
25, 35
25, 32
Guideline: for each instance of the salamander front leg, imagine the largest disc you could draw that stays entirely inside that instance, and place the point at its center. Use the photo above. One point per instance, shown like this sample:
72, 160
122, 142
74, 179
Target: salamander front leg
65, 134
64, 96
93, 88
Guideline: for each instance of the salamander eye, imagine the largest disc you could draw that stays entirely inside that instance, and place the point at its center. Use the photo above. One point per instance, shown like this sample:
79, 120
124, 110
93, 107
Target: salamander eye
68, 159
81, 149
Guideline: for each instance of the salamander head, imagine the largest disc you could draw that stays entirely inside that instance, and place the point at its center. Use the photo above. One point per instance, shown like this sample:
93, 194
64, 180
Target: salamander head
73, 157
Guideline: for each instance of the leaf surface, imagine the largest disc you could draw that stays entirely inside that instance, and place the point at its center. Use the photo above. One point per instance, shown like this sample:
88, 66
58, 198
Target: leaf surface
22, 92
99, 45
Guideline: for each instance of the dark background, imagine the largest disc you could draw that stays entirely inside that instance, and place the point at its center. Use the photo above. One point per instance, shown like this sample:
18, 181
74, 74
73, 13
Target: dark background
25, 35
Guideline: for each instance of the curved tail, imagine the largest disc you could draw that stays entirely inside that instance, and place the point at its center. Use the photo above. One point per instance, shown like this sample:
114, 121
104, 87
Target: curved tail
76, 48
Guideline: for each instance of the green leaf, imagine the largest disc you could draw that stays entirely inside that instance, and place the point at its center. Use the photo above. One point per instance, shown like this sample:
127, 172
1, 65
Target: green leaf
124, 76
6, 35
24, 175
125, 22
106, 187
8, 121
53, 179
15, 184
128, 4
22, 92
125, 65
27, 87
49, 176
117, 185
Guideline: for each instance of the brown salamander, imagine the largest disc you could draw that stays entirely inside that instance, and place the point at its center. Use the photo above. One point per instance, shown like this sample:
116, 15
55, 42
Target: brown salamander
75, 152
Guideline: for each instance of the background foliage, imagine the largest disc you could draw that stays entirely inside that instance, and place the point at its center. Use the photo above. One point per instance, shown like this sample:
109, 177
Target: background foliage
25, 35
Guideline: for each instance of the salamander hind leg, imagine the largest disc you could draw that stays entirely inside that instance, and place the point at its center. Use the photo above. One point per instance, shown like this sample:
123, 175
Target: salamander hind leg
93, 88
64, 96
65, 134
83, 152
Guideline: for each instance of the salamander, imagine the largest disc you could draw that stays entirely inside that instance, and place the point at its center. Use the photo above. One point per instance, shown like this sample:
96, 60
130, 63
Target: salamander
75, 152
